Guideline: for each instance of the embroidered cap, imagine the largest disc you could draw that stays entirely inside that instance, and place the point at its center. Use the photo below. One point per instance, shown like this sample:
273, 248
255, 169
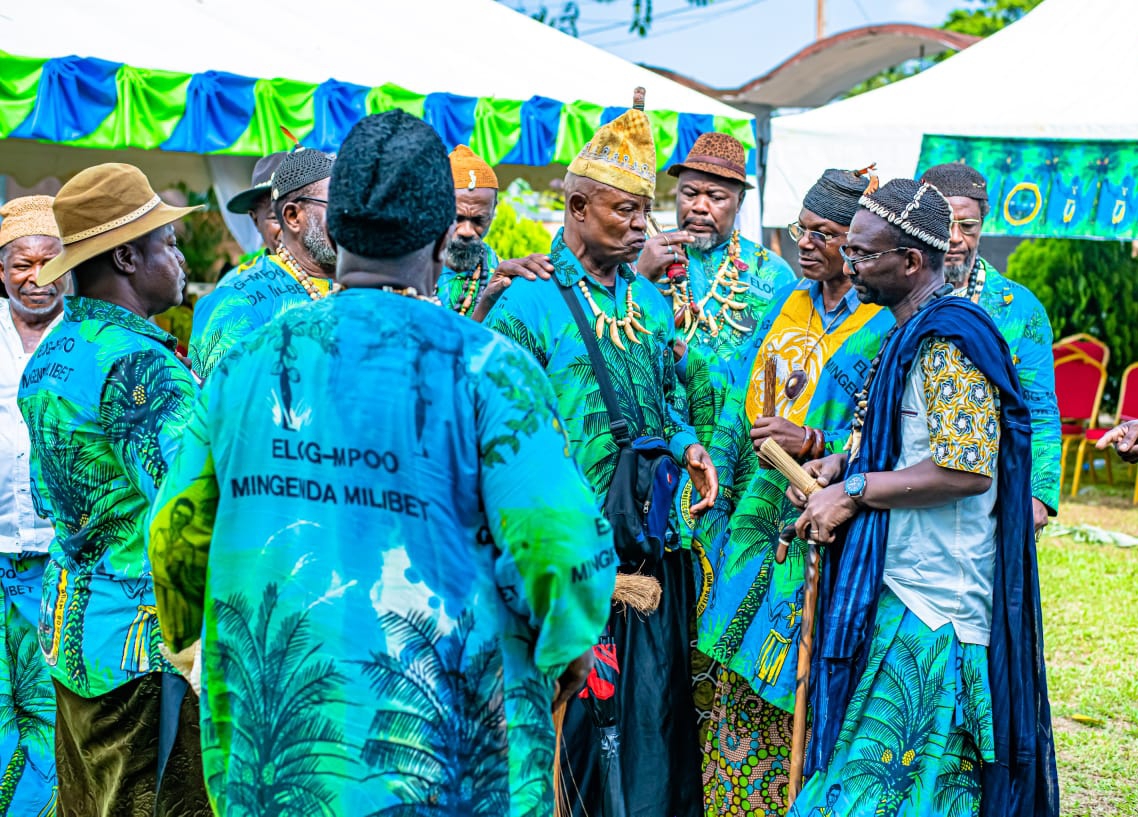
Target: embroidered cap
958, 179
470, 171
25, 216
835, 196
300, 168
622, 153
716, 154
99, 209
246, 200
917, 208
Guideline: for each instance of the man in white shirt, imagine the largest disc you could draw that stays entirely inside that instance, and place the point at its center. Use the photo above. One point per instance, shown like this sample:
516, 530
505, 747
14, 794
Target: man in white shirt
29, 238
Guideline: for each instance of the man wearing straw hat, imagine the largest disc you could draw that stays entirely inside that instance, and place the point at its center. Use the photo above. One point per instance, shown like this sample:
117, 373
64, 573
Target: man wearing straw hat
929, 689
256, 202
386, 628
608, 193
105, 400
29, 238
298, 271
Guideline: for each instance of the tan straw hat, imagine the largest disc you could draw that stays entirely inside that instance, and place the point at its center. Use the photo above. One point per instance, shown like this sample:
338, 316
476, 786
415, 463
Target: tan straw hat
99, 209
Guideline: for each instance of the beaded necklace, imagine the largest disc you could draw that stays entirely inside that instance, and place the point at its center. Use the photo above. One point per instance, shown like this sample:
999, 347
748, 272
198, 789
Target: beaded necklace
630, 324
796, 382
411, 292
469, 298
302, 277
862, 406
690, 314
976, 282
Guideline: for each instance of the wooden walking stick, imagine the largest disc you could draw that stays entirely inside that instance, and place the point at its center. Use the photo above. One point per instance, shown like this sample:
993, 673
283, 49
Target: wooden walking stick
777, 457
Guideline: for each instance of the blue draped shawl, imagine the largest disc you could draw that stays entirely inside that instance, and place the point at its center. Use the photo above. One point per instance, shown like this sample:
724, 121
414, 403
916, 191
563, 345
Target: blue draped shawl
1022, 782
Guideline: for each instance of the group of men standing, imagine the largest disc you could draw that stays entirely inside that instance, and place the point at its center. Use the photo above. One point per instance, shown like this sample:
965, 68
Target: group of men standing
369, 529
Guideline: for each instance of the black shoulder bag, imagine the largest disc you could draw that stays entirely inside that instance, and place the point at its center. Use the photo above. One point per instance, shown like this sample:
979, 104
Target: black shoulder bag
639, 500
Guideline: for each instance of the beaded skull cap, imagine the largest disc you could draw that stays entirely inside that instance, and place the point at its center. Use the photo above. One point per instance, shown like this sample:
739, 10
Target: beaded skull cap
25, 216
300, 168
918, 209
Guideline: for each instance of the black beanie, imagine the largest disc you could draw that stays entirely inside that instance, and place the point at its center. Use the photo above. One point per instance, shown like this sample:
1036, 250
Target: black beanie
834, 196
391, 191
958, 179
300, 168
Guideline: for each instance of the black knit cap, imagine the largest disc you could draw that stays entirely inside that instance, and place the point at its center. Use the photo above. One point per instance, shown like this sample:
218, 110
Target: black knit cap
391, 191
917, 208
834, 197
958, 179
299, 169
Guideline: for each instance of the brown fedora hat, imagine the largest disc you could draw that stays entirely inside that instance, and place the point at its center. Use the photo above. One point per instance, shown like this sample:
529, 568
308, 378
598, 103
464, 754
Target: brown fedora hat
99, 209
716, 154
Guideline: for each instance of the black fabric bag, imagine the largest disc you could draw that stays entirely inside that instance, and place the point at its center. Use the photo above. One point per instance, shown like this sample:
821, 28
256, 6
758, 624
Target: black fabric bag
639, 500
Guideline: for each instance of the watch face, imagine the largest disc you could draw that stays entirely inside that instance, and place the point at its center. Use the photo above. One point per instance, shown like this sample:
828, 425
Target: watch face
855, 485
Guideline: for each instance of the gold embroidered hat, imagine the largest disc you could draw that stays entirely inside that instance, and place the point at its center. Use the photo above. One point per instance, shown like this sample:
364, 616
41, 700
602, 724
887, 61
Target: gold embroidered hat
25, 216
99, 209
470, 171
717, 154
622, 153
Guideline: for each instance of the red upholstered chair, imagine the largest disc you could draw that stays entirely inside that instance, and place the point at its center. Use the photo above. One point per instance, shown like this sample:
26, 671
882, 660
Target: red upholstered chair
1127, 410
1088, 344
1079, 381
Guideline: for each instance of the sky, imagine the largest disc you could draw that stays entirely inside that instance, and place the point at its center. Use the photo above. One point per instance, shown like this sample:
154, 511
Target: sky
732, 41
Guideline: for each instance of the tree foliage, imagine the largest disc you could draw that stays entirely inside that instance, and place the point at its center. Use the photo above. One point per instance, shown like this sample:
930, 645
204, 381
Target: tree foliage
1085, 286
513, 237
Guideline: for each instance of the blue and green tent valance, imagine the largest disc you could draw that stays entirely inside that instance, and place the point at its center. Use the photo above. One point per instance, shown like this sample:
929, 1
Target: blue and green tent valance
94, 103
1049, 188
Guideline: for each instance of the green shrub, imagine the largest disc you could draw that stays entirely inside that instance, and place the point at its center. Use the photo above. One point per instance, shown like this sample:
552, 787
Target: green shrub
1085, 286
513, 237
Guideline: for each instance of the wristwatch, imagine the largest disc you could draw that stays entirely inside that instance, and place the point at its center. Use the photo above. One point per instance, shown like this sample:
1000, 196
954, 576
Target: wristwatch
855, 487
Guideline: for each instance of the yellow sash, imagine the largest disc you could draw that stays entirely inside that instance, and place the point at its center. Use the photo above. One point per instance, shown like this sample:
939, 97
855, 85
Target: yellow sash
796, 341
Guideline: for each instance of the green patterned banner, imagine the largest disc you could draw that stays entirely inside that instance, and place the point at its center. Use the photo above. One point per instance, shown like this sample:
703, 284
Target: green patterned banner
1049, 188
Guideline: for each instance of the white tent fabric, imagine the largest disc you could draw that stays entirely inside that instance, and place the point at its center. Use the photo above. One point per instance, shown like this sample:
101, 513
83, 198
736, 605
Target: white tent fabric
1064, 71
476, 48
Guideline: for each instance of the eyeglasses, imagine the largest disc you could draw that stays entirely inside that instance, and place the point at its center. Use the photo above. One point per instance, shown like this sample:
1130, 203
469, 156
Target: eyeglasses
311, 199
852, 263
797, 231
967, 226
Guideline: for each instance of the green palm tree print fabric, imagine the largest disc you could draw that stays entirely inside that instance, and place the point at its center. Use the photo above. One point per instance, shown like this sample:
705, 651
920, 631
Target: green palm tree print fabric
259, 292
917, 730
377, 528
27, 699
534, 314
454, 286
105, 400
1023, 322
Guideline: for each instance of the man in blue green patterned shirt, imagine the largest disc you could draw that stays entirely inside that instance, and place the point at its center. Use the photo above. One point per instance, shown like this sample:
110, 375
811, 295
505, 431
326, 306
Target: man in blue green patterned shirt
430, 564
468, 283
608, 191
105, 400
1018, 315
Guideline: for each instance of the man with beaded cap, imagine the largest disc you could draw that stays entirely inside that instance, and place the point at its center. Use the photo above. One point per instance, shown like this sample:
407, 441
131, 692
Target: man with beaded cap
818, 340
1018, 315
298, 272
411, 611
609, 189
468, 275
929, 691
29, 238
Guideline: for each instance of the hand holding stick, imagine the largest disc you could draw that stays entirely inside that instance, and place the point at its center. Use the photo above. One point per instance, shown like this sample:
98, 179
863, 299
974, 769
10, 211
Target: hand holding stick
775, 456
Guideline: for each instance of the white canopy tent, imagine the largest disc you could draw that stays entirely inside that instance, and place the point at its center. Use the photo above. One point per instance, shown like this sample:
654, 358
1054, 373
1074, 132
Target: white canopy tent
476, 48
1064, 71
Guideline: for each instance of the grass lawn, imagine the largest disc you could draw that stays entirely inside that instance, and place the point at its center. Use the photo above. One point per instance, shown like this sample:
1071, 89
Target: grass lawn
1090, 612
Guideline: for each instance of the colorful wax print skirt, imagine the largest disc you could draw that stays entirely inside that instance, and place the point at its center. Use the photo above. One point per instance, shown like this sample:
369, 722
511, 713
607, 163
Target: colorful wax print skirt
916, 731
